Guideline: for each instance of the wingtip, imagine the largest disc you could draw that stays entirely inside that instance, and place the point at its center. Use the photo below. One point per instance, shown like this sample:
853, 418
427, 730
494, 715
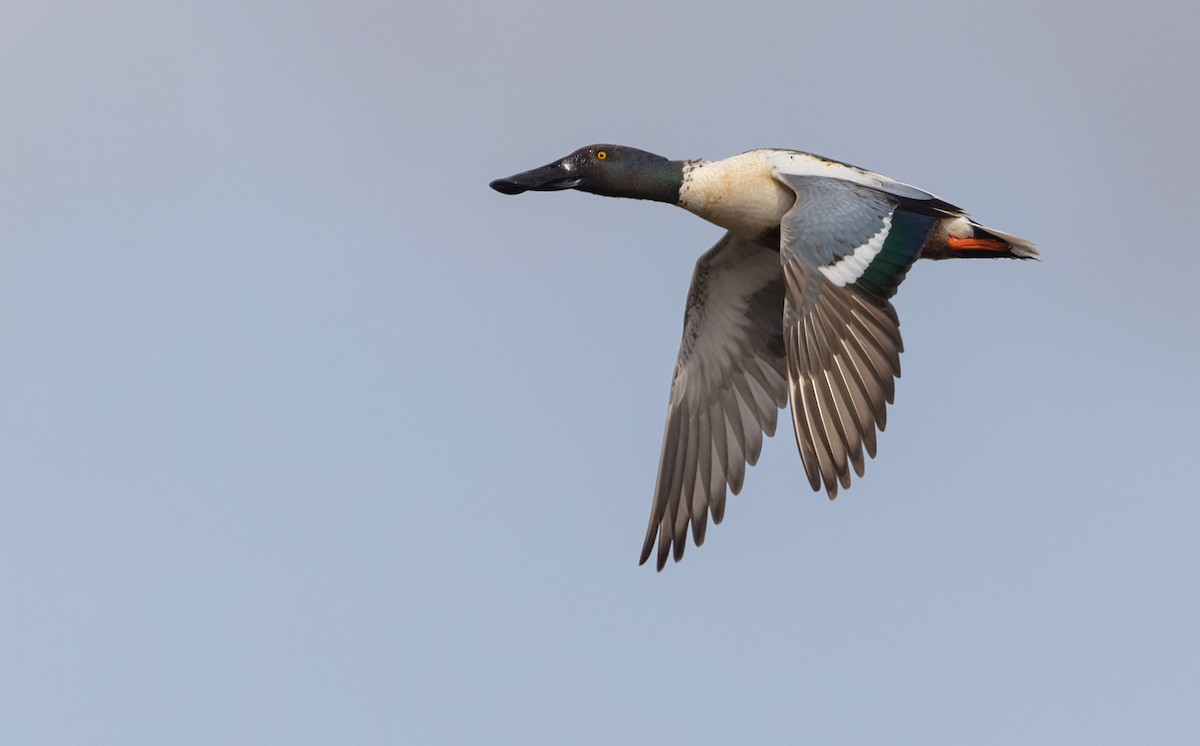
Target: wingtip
647, 549
659, 564
680, 547
664, 551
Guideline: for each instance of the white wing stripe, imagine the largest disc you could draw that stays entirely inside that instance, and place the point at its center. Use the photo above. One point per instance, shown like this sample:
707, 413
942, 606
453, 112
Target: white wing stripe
849, 268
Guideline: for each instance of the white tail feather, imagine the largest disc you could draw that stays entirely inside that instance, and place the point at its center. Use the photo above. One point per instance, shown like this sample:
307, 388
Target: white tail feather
1019, 246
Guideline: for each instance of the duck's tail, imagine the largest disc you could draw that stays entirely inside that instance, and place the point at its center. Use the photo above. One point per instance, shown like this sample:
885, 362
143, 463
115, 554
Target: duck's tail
961, 237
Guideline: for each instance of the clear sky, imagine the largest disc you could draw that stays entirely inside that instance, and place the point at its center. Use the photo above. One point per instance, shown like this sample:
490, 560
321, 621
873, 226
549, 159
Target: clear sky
308, 437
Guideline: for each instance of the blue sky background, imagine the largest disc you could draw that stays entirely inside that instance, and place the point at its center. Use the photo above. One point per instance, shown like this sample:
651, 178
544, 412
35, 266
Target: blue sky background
308, 437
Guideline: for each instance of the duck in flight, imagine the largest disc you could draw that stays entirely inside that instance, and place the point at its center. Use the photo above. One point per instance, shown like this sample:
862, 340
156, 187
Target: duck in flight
793, 301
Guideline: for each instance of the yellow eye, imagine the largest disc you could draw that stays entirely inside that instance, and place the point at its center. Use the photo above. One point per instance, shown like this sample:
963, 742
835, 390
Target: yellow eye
601, 155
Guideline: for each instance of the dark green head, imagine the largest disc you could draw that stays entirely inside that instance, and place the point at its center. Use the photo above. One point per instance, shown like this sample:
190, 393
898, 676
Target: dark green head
611, 170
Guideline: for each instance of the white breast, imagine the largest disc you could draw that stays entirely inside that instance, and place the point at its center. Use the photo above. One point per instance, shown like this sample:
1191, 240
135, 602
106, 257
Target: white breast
737, 193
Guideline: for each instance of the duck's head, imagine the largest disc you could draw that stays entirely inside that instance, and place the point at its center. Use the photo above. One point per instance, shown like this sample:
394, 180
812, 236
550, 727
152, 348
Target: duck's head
611, 170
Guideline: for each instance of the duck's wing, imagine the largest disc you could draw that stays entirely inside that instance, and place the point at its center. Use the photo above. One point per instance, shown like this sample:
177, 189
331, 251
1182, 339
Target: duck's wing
794, 163
845, 246
730, 382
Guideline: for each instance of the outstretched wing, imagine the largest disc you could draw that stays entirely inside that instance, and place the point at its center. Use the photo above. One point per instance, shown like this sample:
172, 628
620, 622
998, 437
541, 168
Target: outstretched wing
730, 382
845, 247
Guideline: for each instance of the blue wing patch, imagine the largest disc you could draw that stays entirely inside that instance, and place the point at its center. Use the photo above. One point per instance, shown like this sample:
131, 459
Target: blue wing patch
831, 218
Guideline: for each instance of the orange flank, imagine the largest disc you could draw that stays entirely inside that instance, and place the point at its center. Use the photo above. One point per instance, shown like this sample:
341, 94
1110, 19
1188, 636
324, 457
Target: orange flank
975, 244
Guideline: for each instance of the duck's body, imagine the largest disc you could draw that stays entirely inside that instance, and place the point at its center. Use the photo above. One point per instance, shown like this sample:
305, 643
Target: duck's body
792, 301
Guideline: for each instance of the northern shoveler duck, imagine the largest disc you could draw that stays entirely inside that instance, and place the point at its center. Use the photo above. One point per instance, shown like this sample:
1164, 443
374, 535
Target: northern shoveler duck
793, 299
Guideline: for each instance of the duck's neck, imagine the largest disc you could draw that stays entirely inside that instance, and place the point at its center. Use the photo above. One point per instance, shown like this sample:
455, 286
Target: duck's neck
663, 183
642, 176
